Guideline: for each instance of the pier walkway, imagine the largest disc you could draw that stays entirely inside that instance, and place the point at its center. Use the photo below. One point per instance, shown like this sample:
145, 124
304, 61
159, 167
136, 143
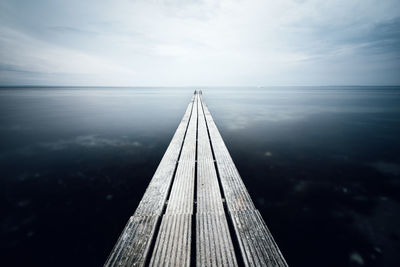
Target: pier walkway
196, 210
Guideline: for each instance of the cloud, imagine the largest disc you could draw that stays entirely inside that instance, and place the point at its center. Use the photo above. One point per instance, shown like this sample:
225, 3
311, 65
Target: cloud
71, 30
23, 57
205, 42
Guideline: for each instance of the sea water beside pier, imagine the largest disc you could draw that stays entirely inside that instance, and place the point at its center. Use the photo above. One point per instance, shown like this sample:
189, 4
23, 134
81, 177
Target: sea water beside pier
321, 164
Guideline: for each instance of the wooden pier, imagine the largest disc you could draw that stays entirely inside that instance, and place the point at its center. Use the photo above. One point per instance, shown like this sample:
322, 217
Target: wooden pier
196, 209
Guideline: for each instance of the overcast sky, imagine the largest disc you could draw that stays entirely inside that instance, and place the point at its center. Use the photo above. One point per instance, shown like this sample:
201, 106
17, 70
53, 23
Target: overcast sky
209, 43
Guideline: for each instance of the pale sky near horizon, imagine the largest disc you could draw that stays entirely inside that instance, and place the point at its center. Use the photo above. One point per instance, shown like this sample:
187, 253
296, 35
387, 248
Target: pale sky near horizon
203, 43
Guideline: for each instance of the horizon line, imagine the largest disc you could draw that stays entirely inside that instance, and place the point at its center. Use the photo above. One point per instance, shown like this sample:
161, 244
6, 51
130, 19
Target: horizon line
193, 86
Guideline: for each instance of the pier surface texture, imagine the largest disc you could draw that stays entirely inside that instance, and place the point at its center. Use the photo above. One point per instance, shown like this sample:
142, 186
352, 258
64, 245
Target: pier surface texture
196, 209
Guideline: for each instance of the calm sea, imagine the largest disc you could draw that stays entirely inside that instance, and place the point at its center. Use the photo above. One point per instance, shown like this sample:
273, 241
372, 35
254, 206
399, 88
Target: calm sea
322, 165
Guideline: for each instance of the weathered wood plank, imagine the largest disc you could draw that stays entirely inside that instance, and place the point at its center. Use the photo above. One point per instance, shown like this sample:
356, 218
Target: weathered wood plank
256, 242
132, 247
208, 192
182, 192
173, 243
213, 241
234, 189
134, 242
257, 246
156, 193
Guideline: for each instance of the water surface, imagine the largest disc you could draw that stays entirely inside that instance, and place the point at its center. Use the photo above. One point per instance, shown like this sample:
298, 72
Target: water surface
322, 165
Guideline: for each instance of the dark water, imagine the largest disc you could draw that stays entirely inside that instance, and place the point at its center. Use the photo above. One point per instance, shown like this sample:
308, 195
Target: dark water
322, 166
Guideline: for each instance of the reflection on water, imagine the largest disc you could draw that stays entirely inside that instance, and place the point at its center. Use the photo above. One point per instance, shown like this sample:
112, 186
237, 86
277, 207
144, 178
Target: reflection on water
321, 164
